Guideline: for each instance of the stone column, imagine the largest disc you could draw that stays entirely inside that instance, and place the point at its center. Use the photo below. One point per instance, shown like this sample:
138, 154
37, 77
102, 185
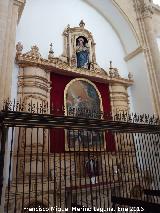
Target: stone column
4, 4
4, 11
34, 92
146, 12
9, 14
119, 98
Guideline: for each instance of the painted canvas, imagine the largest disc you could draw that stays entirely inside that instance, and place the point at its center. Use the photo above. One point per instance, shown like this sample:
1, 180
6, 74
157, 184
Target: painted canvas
83, 100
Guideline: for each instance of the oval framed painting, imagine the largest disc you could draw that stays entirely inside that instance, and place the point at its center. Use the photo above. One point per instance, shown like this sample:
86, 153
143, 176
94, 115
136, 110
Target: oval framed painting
82, 99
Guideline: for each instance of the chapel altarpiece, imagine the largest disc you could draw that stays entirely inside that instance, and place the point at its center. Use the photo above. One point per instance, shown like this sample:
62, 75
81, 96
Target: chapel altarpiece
77, 62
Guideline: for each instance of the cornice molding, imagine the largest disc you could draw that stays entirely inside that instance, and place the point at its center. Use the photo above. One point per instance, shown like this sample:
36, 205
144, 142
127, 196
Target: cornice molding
133, 54
34, 59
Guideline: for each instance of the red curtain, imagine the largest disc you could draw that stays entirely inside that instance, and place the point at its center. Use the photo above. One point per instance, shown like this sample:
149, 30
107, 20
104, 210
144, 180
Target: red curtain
104, 91
59, 83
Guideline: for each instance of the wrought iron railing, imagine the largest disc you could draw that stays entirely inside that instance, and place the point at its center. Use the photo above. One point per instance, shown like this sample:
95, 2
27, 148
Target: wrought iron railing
50, 160
45, 107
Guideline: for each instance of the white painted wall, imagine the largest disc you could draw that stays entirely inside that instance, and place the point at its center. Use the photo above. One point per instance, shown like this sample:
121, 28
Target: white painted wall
156, 2
141, 94
119, 21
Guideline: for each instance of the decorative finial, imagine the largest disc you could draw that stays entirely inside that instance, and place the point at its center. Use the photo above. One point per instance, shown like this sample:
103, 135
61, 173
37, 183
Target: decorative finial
113, 73
68, 26
34, 53
82, 24
110, 64
51, 52
130, 76
51, 48
35, 49
19, 48
116, 73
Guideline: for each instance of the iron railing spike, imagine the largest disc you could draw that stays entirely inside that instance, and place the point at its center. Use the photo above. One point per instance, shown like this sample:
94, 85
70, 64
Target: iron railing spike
14, 102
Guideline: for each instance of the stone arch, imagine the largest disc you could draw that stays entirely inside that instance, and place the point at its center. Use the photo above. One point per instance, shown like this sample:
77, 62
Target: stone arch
112, 12
135, 58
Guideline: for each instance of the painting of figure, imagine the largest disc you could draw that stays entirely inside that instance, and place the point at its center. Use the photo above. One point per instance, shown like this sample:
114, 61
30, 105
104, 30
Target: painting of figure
83, 100
84, 139
82, 52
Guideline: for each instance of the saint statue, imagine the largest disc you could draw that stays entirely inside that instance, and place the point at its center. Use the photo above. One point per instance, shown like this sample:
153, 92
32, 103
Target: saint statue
82, 53
91, 166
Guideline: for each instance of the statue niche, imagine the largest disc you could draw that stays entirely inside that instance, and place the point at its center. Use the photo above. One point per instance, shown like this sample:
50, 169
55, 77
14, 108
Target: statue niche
79, 48
82, 52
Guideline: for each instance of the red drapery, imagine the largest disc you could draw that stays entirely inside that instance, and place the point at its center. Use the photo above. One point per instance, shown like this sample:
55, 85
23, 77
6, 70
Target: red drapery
59, 83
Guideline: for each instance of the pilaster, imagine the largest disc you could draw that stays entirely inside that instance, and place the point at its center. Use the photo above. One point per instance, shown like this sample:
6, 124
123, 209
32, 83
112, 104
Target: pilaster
119, 98
11, 11
144, 10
